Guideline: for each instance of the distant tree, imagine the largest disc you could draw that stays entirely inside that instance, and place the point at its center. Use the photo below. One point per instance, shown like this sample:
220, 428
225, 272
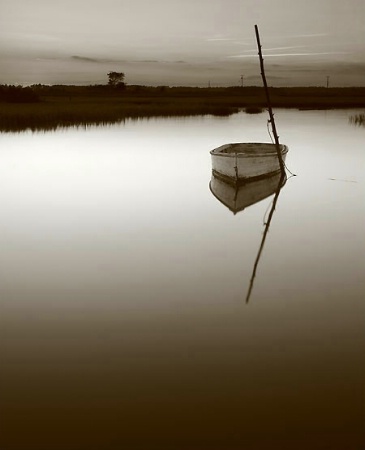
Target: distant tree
116, 79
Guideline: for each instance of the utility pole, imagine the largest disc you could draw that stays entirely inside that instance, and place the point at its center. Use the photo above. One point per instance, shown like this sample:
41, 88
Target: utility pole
241, 80
328, 81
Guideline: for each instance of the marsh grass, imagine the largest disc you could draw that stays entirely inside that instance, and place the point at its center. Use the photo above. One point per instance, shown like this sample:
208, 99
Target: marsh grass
254, 109
358, 119
51, 115
74, 106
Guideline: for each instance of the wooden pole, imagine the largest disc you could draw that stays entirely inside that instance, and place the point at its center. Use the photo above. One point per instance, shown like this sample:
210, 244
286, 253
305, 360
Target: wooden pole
272, 121
282, 181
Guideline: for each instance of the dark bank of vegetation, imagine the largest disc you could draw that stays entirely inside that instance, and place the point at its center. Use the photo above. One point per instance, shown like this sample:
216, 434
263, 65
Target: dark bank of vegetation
18, 94
42, 107
254, 109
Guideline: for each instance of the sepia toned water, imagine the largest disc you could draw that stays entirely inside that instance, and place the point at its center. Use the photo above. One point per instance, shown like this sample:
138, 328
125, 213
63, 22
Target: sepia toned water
123, 283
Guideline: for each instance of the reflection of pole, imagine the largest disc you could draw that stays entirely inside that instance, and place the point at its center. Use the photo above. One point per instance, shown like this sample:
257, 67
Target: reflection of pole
272, 121
267, 226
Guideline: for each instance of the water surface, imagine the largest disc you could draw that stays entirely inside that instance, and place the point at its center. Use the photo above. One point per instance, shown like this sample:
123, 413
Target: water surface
123, 320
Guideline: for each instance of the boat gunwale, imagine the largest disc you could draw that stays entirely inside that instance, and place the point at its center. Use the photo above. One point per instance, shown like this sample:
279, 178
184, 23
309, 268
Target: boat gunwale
242, 154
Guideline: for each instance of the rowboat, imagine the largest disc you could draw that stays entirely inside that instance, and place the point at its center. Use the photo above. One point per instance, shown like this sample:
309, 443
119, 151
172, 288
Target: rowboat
239, 163
238, 197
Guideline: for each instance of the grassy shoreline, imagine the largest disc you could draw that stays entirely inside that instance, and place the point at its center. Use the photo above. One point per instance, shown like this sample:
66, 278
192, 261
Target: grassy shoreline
74, 106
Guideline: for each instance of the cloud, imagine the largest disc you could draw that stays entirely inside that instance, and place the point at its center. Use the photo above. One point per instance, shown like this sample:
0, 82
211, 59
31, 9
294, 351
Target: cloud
297, 36
309, 35
84, 58
251, 50
124, 61
33, 37
153, 61
145, 61
218, 39
284, 48
278, 55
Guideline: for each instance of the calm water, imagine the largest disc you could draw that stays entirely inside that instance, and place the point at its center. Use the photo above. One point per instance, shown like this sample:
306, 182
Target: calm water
123, 321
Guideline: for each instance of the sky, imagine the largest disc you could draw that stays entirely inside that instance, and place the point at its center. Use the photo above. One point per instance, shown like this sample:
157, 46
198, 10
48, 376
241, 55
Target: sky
182, 42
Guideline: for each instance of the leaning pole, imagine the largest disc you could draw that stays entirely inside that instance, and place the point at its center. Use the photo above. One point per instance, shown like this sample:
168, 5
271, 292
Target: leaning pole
272, 121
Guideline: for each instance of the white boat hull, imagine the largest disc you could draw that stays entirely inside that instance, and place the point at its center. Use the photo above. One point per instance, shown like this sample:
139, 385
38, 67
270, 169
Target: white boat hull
246, 161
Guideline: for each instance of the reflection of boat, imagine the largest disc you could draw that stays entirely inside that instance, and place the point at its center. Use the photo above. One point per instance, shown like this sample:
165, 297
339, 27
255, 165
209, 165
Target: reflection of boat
241, 162
238, 197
